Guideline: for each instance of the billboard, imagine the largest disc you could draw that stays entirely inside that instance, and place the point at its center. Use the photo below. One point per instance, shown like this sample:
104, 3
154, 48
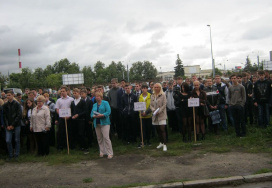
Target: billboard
267, 65
72, 79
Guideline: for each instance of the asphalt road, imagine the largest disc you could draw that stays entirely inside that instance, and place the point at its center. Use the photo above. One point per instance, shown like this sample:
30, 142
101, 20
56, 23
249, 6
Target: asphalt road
267, 184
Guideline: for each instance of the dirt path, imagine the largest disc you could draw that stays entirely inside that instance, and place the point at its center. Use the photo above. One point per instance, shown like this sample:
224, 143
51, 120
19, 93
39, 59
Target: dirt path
127, 169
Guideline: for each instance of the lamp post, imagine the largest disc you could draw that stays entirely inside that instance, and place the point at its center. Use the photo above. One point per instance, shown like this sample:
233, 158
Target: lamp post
213, 68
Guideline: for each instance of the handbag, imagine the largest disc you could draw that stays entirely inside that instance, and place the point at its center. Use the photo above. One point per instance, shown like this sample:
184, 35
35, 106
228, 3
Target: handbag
215, 117
206, 111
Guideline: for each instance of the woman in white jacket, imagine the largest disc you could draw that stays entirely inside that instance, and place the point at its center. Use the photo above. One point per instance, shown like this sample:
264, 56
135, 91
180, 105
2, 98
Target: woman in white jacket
40, 124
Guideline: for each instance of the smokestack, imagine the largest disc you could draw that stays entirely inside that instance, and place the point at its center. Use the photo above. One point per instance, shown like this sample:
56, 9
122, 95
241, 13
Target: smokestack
270, 55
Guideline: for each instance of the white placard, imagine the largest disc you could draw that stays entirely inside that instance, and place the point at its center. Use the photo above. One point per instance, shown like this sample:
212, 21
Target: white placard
194, 102
65, 112
139, 106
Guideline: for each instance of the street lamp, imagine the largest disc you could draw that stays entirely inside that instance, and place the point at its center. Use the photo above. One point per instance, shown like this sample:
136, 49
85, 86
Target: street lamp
212, 51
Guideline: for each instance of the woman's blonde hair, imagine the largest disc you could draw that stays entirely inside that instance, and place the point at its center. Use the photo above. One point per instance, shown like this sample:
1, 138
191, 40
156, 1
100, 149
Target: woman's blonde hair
41, 98
161, 91
99, 94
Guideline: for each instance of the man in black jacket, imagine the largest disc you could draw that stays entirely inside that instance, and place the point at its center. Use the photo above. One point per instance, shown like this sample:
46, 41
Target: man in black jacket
88, 123
78, 110
12, 116
213, 100
262, 99
249, 100
128, 114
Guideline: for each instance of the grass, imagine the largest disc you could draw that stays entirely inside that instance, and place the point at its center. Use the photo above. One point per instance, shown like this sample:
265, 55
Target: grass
263, 170
257, 140
87, 180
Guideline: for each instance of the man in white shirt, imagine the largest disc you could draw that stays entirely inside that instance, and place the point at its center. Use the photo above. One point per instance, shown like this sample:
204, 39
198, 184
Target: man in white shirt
63, 103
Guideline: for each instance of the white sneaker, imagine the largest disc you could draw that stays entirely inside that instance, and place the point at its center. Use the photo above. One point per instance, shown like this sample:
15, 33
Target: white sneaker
164, 147
160, 146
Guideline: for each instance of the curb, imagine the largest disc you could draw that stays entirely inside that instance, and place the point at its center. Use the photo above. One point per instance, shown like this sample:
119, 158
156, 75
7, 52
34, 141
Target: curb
216, 182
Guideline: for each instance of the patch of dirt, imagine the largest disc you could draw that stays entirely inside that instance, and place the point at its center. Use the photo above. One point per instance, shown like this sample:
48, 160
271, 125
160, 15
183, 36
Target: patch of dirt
128, 169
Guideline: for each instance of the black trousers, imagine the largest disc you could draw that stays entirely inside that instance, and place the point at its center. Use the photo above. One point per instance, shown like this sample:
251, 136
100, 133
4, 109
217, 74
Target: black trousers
88, 134
43, 142
172, 120
129, 128
61, 136
116, 125
77, 135
179, 119
249, 111
147, 126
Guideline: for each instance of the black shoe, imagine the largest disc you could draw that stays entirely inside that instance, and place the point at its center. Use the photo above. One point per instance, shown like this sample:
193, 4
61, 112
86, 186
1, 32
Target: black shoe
148, 143
16, 158
8, 159
203, 137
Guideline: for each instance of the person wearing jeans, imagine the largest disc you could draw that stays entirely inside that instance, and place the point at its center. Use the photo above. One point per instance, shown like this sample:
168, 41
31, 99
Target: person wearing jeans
222, 90
12, 113
262, 99
237, 99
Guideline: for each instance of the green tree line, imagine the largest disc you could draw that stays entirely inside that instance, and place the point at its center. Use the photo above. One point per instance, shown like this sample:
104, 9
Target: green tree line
51, 76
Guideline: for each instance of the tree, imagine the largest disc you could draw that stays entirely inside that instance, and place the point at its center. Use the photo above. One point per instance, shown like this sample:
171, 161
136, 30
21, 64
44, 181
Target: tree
3, 80
99, 72
64, 66
143, 71
179, 70
217, 72
136, 71
88, 75
248, 65
121, 69
150, 71
54, 80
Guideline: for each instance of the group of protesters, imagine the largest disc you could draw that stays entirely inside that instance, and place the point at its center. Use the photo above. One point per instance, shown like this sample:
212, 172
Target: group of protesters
33, 120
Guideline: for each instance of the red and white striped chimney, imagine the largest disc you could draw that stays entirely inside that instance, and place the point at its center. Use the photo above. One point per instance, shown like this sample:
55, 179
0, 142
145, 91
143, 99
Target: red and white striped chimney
19, 56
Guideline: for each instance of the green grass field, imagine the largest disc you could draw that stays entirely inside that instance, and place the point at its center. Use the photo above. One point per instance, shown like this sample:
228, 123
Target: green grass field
257, 141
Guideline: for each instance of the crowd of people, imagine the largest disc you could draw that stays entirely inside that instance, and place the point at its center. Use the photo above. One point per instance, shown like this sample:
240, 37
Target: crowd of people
32, 120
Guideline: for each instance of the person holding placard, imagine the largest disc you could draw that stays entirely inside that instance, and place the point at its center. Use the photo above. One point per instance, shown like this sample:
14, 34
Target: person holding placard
63, 103
146, 115
158, 107
101, 113
199, 93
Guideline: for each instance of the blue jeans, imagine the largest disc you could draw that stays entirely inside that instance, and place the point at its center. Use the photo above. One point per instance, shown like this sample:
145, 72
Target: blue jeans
237, 113
9, 135
263, 116
222, 111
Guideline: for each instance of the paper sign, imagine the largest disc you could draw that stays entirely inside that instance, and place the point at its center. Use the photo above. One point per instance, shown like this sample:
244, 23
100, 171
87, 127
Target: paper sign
194, 102
139, 106
65, 112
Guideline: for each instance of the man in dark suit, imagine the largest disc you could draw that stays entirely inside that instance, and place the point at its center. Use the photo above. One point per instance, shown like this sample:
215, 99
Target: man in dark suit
78, 112
88, 122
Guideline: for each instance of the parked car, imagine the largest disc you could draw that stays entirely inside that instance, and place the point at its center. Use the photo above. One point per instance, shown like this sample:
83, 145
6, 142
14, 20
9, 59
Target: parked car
15, 90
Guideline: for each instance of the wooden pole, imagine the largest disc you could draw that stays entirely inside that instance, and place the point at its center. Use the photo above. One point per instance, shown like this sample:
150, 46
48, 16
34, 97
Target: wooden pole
194, 123
141, 129
67, 136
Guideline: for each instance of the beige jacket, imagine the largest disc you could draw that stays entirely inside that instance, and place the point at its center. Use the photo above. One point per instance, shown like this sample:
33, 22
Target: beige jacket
159, 102
40, 119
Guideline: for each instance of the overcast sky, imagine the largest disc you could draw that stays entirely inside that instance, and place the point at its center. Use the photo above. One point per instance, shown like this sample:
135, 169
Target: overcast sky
86, 31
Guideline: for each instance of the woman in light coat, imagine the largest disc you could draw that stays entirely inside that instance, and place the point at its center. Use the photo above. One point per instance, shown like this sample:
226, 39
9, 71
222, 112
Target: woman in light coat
40, 124
158, 107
